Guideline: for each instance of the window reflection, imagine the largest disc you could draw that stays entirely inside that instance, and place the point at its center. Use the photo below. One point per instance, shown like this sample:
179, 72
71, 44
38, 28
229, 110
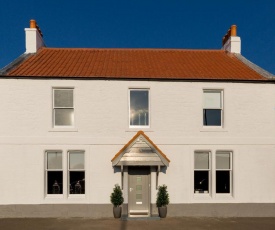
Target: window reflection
139, 108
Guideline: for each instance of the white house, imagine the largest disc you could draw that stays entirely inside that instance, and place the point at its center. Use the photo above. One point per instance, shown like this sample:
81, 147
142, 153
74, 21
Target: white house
75, 122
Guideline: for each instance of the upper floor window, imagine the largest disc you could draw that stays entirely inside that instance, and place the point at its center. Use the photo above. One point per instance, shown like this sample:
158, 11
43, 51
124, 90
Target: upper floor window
63, 107
139, 108
212, 107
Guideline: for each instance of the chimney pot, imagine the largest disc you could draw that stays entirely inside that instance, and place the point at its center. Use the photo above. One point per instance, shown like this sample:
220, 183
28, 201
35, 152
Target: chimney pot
233, 30
32, 24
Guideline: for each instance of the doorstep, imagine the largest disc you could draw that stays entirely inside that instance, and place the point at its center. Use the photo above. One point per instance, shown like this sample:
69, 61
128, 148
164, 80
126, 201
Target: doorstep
127, 218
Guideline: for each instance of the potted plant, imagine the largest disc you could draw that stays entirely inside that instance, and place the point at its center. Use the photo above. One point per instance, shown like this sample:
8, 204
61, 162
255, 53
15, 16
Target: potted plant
162, 200
117, 200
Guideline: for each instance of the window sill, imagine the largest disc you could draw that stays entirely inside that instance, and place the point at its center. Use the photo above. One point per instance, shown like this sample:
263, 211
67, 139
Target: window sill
202, 196
60, 129
76, 196
54, 196
136, 129
213, 129
225, 196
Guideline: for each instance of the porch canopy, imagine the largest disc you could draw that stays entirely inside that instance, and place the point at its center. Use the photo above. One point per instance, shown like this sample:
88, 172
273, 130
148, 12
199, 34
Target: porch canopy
140, 151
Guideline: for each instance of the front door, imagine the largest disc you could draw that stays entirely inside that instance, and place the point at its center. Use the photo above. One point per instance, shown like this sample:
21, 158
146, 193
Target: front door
139, 199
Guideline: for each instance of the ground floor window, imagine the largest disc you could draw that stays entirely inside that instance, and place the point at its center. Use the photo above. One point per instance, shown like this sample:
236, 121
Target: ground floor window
67, 179
54, 172
201, 172
220, 173
223, 172
76, 172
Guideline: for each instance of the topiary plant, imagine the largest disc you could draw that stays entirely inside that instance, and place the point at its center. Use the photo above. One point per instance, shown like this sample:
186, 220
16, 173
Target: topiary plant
117, 196
162, 196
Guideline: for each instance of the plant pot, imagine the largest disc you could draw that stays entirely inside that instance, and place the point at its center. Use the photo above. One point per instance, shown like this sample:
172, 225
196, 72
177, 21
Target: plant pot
117, 212
162, 211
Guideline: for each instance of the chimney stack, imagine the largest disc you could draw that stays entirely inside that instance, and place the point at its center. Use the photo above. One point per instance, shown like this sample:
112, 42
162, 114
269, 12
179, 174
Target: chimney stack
34, 38
231, 42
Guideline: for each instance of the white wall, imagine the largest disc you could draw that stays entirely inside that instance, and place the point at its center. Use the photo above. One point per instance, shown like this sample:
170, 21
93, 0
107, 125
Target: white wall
101, 118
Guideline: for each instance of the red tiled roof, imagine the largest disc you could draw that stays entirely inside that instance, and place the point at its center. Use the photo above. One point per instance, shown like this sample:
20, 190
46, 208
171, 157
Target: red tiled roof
135, 63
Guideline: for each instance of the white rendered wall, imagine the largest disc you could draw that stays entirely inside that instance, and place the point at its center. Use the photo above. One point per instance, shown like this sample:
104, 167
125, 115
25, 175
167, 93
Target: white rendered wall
101, 118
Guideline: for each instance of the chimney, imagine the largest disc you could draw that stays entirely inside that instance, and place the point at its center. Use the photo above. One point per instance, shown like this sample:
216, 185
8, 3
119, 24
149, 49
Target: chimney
34, 38
231, 42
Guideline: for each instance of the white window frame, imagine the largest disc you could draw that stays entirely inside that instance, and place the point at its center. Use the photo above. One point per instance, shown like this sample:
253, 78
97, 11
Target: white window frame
54, 108
75, 170
209, 172
221, 91
52, 170
129, 110
230, 172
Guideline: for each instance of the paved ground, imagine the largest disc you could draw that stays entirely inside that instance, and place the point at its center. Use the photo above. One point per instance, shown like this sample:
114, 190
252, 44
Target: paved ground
168, 224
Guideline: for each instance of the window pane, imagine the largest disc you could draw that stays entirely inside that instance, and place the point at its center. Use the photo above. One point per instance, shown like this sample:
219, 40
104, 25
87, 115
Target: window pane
54, 160
64, 117
201, 160
223, 160
139, 107
201, 181
76, 160
55, 182
63, 98
222, 181
77, 183
212, 117
211, 100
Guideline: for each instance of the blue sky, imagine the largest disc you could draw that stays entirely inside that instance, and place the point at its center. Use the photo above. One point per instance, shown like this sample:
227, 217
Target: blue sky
193, 24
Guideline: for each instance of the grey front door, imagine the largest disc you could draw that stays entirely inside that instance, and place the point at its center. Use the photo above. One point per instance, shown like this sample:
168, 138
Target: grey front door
139, 196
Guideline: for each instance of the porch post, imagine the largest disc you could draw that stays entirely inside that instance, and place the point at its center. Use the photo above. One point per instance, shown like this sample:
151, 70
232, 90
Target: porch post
157, 176
122, 179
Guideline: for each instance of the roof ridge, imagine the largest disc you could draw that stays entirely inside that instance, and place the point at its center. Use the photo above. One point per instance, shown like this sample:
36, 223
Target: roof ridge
134, 49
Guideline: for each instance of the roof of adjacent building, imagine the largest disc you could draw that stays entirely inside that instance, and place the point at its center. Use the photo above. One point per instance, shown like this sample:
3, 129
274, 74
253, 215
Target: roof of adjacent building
178, 64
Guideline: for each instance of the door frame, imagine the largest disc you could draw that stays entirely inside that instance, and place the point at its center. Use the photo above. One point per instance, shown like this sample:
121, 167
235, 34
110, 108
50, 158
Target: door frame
149, 192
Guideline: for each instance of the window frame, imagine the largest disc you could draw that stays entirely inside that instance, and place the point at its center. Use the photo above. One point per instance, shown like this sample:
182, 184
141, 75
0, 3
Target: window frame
53, 170
230, 172
221, 91
54, 108
129, 108
75, 170
209, 172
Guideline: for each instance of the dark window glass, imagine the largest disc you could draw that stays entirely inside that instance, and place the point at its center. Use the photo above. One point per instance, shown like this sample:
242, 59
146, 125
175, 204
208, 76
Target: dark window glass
201, 181
139, 107
77, 182
55, 182
212, 117
222, 181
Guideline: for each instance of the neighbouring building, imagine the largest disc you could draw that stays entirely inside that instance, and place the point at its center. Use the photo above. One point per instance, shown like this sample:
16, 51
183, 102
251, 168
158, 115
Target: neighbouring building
75, 122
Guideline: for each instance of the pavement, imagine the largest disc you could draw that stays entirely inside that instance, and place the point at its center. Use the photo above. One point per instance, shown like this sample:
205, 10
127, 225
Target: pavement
199, 223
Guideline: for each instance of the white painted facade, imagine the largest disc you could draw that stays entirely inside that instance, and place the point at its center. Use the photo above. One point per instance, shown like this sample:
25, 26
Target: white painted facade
102, 129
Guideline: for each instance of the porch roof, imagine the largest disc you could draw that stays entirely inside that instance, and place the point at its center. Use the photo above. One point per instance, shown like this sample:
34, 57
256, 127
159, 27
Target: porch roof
140, 151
